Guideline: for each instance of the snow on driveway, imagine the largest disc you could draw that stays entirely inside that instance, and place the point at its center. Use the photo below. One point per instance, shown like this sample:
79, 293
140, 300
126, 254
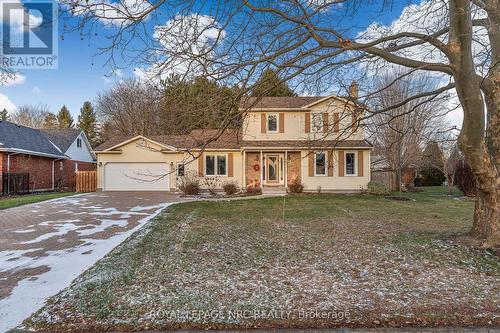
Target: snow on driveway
44, 246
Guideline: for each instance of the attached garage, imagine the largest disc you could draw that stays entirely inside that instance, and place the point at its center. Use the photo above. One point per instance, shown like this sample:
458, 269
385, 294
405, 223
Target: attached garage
136, 177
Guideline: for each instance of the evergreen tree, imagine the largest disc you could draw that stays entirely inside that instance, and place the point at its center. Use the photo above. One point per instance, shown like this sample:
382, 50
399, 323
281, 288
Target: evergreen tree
64, 118
4, 115
271, 85
87, 122
195, 104
50, 121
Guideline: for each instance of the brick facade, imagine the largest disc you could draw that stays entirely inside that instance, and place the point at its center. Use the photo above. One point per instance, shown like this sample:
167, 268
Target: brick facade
293, 165
251, 175
40, 171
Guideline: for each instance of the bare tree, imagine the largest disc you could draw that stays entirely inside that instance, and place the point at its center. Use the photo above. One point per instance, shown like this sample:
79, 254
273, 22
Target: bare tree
400, 133
130, 108
234, 41
30, 115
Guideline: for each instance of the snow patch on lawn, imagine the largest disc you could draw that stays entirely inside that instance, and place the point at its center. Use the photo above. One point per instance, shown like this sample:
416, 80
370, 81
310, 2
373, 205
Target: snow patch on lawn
64, 266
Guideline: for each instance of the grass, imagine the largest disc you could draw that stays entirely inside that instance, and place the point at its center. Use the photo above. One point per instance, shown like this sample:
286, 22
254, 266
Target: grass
359, 260
21, 200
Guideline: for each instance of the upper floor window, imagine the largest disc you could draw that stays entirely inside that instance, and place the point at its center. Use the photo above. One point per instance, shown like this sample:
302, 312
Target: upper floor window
317, 122
350, 164
320, 164
272, 123
79, 143
215, 165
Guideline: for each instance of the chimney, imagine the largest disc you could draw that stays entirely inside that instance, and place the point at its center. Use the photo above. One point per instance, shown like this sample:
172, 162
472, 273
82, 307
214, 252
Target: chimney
354, 90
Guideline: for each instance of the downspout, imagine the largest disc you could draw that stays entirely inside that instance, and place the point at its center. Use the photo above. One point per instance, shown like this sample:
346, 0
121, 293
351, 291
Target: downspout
53, 172
8, 171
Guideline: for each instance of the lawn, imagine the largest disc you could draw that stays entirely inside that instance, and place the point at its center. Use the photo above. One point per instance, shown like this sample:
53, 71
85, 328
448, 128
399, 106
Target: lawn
299, 261
30, 198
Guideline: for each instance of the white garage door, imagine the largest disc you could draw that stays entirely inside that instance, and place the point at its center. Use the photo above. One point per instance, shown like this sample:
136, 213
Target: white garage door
136, 177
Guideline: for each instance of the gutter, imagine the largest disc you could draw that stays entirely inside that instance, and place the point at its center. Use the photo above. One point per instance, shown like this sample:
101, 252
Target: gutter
30, 152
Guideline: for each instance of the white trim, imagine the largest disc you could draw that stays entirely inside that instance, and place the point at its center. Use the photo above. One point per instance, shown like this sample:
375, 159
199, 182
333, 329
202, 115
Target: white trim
30, 152
277, 122
216, 164
327, 98
326, 164
355, 174
137, 138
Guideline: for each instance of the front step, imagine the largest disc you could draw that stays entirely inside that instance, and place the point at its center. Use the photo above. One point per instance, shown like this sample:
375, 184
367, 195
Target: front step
274, 190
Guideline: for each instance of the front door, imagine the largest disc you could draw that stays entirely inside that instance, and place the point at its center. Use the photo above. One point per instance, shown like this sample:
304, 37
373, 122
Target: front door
272, 169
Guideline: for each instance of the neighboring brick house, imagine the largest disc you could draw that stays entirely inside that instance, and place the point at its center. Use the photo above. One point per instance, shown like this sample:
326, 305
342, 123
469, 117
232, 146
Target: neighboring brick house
314, 139
49, 157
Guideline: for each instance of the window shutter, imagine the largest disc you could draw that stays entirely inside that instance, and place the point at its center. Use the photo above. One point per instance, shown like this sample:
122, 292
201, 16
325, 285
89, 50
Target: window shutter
336, 122
308, 122
360, 163
341, 163
311, 164
330, 163
282, 123
263, 125
325, 122
230, 164
200, 165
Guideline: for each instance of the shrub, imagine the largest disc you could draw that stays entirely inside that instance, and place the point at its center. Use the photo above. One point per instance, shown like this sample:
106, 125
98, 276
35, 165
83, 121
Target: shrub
378, 189
189, 184
254, 190
230, 187
212, 184
464, 178
432, 176
295, 186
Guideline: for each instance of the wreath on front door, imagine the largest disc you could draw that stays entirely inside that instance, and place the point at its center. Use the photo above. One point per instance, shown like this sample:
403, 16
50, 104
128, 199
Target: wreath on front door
256, 167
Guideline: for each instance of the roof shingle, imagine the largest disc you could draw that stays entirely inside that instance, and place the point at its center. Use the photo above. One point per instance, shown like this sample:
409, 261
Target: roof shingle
278, 102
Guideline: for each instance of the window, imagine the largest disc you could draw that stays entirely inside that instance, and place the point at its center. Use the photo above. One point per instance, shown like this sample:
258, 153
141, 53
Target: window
317, 122
272, 123
79, 143
320, 164
350, 161
221, 165
215, 165
180, 170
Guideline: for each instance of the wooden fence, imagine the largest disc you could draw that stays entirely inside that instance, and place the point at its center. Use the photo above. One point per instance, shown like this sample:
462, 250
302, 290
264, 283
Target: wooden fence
86, 181
388, 178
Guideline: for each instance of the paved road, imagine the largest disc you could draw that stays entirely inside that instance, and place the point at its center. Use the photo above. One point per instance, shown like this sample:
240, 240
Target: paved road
44, 246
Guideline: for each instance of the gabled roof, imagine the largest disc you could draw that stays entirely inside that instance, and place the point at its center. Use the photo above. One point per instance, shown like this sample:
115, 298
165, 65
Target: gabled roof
197, 139
62, 138
27, 140
278, 102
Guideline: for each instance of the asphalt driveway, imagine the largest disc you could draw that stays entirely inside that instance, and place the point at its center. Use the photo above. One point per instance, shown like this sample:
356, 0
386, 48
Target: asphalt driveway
44, 246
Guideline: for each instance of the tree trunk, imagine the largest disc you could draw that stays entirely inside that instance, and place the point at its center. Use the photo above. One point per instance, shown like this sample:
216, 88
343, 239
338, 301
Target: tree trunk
487, 218
476, 143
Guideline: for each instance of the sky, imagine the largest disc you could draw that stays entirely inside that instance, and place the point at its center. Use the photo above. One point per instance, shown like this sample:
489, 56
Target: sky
82, 73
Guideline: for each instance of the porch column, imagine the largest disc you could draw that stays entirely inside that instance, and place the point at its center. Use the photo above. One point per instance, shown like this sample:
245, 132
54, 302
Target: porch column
261, 170
286, 168
244, 172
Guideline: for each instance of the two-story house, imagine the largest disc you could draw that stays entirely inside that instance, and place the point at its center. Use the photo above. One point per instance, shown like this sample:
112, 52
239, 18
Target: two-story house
316, 140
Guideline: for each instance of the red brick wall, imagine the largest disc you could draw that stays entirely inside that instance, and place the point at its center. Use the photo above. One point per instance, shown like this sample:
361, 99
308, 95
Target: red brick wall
65, 176
39, 169
1, 170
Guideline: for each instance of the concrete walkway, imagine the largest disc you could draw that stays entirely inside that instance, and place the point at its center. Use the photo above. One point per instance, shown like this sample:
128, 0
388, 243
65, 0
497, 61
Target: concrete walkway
44, 246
